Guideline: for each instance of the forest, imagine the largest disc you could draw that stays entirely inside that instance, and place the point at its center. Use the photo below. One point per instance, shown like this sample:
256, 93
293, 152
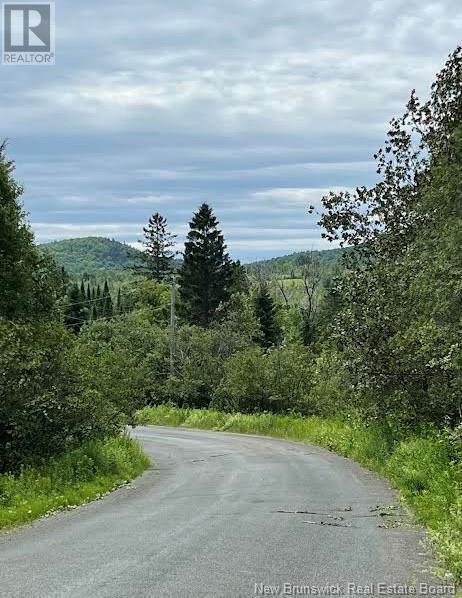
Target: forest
365, 342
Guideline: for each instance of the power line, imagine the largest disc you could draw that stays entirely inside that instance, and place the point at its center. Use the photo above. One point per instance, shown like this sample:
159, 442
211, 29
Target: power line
84, 320
87, 301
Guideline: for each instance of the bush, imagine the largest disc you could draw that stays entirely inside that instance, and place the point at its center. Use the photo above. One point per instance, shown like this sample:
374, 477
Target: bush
43, 408
57, 391
201, 356
121, 360
278, 380
73, 478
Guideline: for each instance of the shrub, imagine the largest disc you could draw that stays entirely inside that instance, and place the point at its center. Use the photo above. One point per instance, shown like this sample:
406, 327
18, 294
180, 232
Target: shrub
42, 407
277, 380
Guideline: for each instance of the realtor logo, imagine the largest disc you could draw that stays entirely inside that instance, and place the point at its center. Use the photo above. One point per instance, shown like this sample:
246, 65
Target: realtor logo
28, 33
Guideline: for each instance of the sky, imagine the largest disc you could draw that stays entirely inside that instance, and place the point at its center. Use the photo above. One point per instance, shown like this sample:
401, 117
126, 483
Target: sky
257, 107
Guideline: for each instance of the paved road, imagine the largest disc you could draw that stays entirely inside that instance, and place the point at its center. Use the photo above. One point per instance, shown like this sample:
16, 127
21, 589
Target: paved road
213, 517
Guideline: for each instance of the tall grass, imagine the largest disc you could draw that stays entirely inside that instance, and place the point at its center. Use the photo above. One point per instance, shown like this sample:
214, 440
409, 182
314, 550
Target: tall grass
72, 479
426, 469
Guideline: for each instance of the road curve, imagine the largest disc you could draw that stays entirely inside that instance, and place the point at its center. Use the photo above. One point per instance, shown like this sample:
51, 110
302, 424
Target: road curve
215, 517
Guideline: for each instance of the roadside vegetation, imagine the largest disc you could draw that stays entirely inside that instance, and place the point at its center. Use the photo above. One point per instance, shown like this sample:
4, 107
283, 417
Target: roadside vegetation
66, 481
364, 359
62, 424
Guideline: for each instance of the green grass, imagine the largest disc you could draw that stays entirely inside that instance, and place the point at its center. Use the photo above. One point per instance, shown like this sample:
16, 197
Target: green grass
426, 469
74, 478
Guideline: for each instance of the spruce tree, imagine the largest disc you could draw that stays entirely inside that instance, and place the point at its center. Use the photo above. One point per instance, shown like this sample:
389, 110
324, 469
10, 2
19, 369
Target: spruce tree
108, 308
75, 313
158, 255
119, 307
98, 301
206, 275
266, 314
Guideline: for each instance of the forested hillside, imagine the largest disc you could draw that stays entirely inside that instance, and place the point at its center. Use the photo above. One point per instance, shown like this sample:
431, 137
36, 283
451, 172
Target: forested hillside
91, 255
291, 266
99, 255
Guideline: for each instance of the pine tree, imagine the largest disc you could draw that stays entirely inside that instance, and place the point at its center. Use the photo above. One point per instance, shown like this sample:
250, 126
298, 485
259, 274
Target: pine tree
158, 255
266, 314
108, 308
206, 275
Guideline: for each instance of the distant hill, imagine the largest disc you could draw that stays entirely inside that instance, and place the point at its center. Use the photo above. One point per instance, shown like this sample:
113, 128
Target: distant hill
91, 255
100, 257
290, 266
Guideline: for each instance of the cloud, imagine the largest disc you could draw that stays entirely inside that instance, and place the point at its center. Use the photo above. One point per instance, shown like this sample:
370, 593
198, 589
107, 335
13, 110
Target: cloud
255, 106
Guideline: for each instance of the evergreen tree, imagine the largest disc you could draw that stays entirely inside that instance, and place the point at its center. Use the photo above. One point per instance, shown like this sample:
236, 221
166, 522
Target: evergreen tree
64, 280
266, 314
158, 255
108, 308
94, 313
75, 313
206, 275
119, 307
29, 283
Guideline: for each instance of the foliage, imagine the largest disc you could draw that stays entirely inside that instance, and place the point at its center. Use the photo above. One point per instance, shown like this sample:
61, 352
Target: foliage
158, 255
399, 325
57, 390
423, 467
267, 317
152, 296
44, 408
291, 266
277, 381
108, 307
73, 478
207, 273
119, 361
29, 282
88, 303
200, 358
92, 256
75, 312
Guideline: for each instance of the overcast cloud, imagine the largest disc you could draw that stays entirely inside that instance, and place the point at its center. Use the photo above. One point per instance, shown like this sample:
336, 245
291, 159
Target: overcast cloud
255, 106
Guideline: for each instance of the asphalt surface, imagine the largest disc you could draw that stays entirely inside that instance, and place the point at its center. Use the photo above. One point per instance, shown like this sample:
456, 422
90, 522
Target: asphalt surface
216, 517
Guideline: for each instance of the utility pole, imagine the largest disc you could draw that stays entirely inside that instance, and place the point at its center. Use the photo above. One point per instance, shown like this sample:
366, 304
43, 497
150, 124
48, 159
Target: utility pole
172, 325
